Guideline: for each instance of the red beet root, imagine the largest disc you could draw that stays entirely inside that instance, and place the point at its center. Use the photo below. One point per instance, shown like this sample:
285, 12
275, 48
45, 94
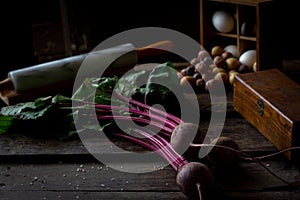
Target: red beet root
194, 179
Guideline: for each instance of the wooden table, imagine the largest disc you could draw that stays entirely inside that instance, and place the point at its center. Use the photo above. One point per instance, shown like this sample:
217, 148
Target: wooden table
32, 168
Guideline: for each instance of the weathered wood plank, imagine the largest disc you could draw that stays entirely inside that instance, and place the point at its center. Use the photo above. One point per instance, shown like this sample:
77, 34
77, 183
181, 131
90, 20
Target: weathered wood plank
83, 177
255, 177
19, 144
96, 180
45, 195
96, 176
247, 136
274, 195
95, 195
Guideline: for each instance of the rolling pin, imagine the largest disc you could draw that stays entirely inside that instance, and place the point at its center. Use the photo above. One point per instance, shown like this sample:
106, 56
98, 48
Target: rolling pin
49, 73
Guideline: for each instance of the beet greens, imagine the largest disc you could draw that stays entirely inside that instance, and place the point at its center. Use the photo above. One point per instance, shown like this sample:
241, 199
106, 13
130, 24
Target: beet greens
154, 126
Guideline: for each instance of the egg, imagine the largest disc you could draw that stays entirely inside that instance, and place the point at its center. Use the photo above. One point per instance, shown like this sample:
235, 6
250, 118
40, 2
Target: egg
248, 28
223, 21
248, 58
232, 49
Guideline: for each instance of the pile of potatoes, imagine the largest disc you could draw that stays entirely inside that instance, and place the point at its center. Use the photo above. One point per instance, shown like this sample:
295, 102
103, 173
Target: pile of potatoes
213, 68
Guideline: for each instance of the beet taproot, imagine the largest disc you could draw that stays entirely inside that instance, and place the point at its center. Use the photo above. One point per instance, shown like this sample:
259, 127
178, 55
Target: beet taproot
195, 180
181, 138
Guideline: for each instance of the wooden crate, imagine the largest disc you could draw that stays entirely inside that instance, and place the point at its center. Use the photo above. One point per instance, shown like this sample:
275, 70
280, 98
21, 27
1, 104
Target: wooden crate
264, 38
270, 101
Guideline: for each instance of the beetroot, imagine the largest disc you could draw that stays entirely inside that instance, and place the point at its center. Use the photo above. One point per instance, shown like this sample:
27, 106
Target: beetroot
182, 136
194, 179
222, 156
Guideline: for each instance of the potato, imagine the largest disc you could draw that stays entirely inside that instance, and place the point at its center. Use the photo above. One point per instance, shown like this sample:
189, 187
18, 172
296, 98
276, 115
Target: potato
243, 68
219, 61
232, 73
218, 69
183, 72
216, 51
208, 60
213, 84
200, 83
188, 80
208, 76
212, 66
222, 76
202, 68
179, 75
222, 157
225, 55
232, 63
254, 67
202, 54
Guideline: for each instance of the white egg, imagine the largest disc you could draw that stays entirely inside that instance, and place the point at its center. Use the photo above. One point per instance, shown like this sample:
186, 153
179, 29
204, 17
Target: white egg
232, 49
223, 21
248, 58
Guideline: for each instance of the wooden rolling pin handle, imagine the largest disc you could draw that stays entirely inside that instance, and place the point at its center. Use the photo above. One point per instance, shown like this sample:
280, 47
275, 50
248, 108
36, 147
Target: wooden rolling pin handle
6, 84
155, 49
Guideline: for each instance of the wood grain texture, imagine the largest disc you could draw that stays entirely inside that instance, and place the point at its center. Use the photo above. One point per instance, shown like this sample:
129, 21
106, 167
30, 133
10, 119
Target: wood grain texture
41, 168
280, 96
95, 180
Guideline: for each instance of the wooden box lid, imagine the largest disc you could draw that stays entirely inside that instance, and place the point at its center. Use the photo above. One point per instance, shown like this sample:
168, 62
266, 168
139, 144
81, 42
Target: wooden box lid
270, 101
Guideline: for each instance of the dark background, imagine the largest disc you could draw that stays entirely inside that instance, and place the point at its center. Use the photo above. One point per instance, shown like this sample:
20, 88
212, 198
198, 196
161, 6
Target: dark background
100, 20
